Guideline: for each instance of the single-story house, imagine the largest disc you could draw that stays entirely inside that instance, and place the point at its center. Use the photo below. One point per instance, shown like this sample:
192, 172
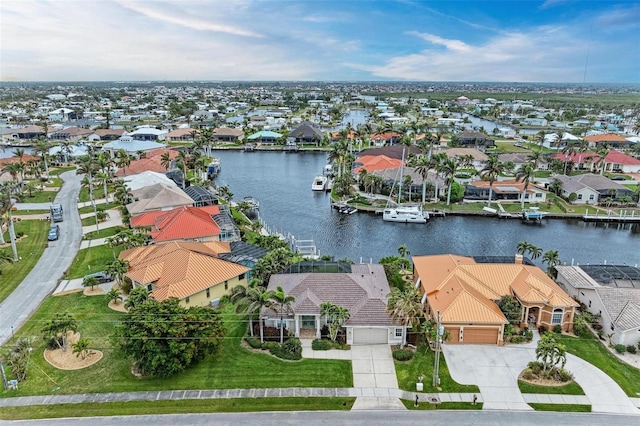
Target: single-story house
306, 133
264, 137
614, 161
147, 133
372, 163
363, 291
478, 157
181, 135
474, 138
72, 133
392, 151
146, 178
610, 139
591, 188
507, 190
465, 293
191, 272
109, 134
228, 134
386, 138
157, 197
29, 132
131, 146
611, 291
180, 224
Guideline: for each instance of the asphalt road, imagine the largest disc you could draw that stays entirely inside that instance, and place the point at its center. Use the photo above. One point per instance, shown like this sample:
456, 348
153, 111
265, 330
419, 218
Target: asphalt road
353, 418
56, 259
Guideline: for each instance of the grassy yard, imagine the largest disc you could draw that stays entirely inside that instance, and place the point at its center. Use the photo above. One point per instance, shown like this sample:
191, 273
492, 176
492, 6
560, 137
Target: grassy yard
233, 366
60, 170
593, 350
234, 405
90, 260
30, 248
104, 206
89, 221
98, 193
565, 408
28, 212
572, 388
422, 364
103, 233
39, 197
442, 406
504, 147
54, 182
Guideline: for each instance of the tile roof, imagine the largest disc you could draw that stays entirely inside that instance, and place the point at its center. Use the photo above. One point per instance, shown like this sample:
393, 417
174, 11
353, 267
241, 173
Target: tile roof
142, 165
363, 291
109, 132
606, 137
465, 291
392, 151
179, 269
157, 197
181, 223
460, 152
589, 180
181, 132
376, 162
576, 277
623, 306
228, 131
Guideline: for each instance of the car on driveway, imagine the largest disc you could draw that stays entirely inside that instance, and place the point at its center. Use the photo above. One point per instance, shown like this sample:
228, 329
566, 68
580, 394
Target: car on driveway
102, 277
54, 232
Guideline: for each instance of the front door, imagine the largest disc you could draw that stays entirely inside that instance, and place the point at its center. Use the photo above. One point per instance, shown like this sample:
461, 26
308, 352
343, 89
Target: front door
308, 321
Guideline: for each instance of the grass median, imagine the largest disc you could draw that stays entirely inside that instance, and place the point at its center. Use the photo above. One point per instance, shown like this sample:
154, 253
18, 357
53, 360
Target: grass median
572, 388
92, 259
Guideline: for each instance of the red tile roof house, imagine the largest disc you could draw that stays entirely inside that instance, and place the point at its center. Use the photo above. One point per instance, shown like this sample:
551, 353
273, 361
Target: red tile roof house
614, 161
181, 224
152, 162
363, 292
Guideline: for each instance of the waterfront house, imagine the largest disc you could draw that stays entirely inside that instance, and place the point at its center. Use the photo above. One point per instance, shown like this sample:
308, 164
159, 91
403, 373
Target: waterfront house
146, 178
62, 114
392, 151
147, 133
72, 134
504, 190
372, 163
478, 158
131, 146
185, 223
189, 271
464, 292
363, 291
28, 133
591, 188
108, 134
157, 197
181, 135
265, 137
610, 291
474, 138
228, 134
305, 133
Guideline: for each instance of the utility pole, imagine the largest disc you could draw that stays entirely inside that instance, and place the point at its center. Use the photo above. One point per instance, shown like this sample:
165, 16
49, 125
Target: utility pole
436, 364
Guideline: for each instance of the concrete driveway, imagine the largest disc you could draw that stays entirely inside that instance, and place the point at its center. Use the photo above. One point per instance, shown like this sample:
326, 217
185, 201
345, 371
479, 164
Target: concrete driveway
495, 369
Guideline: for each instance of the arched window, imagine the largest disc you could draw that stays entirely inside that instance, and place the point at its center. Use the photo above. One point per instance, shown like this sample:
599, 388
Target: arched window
556, 318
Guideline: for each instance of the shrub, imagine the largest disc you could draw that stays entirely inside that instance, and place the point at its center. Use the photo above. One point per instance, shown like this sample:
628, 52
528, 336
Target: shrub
528, 335
631, 349
269, 345
563, 375
403, 354
253, 342
509, 330
535, 367
557, 329
527, 374
270, 334
320, 345
517, 339
580, 329
542, 329
596, 326
290, 349
620, 348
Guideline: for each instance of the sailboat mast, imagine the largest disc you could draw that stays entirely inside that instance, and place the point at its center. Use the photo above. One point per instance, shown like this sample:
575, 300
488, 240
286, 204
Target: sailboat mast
400, 181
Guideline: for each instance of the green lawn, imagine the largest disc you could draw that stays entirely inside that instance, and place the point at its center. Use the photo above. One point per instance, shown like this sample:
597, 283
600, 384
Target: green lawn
39, 197
233, 366
89, 221
30, 248
422, 364
90, 260
28, 212
234, 405
593, 350
572, 388
504, 147
103, 233
566, 408
54, 182
61, 169
98, 193
104, 206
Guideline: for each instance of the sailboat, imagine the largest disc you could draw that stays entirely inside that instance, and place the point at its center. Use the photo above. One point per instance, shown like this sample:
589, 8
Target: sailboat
408, 213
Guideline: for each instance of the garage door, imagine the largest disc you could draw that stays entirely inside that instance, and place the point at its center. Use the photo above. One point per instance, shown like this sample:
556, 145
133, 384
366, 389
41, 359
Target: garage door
369, 336
480, 335
454, 334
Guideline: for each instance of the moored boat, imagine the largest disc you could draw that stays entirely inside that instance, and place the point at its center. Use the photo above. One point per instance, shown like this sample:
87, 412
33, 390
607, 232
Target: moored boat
405, 214
319, 183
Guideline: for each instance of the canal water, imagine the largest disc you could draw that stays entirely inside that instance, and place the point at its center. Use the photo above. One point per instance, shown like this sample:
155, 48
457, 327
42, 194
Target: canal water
281, 182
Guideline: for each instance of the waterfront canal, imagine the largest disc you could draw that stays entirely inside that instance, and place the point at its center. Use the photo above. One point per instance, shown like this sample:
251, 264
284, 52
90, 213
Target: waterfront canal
282, 184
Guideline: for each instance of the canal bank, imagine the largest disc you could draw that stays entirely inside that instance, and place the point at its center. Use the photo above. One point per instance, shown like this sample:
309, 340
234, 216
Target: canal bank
282, 184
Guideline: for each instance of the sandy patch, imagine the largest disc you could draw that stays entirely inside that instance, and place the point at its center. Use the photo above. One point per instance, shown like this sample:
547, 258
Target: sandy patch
97, 291
118, 306
68, 360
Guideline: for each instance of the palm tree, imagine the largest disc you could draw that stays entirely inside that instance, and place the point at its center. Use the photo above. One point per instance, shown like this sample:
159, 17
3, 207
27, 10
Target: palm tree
281, 303
117, 268
436, 164
602, 158
165, 160
568, 152
492, 169
258, 298
525, 173
522, 247
184, 160
534, 251
123, 159
42, 148
422, 168
403, 251
534, 157
404, 306
335, 316
241, 296
81, 347
114, 296
552, 259
7, 193
337, 154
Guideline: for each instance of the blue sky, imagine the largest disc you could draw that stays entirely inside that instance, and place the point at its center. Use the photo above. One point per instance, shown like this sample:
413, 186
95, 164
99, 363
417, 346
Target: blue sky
512, 41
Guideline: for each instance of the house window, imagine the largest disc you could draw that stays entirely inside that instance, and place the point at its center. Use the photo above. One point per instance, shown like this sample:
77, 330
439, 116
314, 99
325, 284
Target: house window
149, 288
241, 277
208, 293
611, 327
592, 197
538, 194
589, 303
579, 196
186, 300
556, 318
226, 285
399, 333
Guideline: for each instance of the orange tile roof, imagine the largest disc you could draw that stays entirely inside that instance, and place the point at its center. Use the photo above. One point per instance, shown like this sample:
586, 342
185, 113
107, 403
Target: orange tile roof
181, 132
372, 163
350, 135
465, 291
607, 137
142, 165
180, 223
179, 269
385, 136
159, 151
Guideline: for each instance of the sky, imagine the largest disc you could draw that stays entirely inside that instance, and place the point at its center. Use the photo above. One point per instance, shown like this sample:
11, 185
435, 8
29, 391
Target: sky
563, 41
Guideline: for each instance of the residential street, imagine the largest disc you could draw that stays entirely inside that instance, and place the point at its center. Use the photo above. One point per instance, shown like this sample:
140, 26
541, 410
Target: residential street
57, 258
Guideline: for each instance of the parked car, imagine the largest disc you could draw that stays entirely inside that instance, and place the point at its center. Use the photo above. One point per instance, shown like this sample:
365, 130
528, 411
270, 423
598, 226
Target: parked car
101, 276
54, 232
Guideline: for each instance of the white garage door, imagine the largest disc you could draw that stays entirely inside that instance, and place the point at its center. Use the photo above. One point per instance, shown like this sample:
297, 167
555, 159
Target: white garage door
369, 336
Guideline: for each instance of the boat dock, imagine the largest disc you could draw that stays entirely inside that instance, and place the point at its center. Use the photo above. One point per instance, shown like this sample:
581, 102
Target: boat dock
622, 216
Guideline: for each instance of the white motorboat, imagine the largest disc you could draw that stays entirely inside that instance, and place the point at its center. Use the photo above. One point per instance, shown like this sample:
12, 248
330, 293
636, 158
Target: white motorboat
319, 183
405, 214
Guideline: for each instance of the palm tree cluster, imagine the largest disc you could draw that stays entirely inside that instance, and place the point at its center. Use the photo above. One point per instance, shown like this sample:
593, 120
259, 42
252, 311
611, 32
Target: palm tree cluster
550, 257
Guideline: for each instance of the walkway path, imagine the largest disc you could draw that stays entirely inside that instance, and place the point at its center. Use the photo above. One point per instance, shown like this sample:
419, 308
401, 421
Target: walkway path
114, 219
56, 259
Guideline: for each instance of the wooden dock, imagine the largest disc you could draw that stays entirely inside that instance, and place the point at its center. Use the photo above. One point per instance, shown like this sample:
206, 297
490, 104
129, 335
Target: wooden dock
622, 216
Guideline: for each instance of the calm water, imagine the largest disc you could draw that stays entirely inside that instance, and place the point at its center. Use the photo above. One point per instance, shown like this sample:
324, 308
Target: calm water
282, 184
